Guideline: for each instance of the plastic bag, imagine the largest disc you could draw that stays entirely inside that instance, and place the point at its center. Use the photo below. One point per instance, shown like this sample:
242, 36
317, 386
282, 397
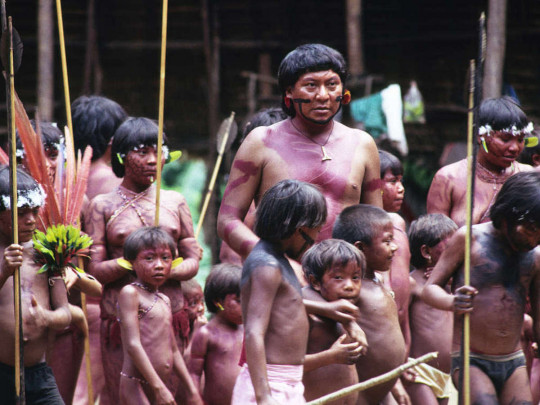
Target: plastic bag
413, 105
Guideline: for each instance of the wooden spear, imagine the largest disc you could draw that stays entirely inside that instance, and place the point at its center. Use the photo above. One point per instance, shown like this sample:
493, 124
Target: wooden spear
69, 133
364, 385
161, 106
221, 151
11, 58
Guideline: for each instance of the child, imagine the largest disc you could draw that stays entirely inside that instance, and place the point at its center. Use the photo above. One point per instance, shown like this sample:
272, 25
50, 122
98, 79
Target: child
194, 303
145, 316
370, 229
289, 217
505, 268
334, 269
43, 299
531, 155
431, 329
216, 347
393, 193
503, 127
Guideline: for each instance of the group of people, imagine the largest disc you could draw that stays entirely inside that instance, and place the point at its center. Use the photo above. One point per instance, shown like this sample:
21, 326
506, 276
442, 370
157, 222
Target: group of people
315, 290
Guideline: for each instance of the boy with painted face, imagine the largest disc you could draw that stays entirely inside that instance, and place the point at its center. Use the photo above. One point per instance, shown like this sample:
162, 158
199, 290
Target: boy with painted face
503, 129
150, 351
334, 269
309, 146
217, 346
505, 269
371, 230
43, 298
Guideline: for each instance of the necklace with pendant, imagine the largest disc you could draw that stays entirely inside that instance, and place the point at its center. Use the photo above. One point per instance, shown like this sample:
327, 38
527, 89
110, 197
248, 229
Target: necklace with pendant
325, 156
497, 180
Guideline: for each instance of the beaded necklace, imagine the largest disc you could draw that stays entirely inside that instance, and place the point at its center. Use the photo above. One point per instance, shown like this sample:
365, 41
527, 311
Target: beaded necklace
130, 202
144, 311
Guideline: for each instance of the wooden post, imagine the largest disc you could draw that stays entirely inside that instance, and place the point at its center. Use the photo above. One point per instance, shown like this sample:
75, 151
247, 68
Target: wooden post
355, 51
45, 71
496, 48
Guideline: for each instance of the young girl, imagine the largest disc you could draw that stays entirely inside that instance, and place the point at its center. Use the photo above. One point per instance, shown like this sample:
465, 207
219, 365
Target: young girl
216, 347
145, 316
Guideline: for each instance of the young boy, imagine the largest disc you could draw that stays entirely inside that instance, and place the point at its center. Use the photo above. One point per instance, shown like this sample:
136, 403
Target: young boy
371, 230
334, 269
43, 299
194, 303
216, 346
505, 267
431, 328
150, 351
288, 220
392, 195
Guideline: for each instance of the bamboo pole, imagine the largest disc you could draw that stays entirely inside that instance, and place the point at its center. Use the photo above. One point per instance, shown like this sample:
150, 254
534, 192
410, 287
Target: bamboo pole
19, 350
80, 263
215, 172
161, 106
364, 385
465, 394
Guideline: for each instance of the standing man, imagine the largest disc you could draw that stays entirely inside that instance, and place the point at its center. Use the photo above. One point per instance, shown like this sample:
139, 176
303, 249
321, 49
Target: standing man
309, 146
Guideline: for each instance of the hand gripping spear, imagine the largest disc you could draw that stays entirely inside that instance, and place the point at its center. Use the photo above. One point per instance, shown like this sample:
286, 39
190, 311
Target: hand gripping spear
11, 59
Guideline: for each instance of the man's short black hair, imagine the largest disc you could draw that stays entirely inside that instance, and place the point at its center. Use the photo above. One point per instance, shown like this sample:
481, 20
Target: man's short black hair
329, 253
95, 119
501, 113
360, 223
133, 132
287, 206
304, 59
147, 237
518, 201
224, 279
429, 230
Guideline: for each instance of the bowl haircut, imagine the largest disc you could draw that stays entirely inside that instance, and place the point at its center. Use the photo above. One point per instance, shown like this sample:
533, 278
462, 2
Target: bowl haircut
145, 238
224, 279
360, 223
500, 113
287, 206
518, 201
26, 185
304, 59
389, 161
95, 119
429, 230
133, 132
330, 253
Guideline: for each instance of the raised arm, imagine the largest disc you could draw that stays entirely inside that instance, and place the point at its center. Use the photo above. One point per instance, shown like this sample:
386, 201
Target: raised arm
258, 295
449, 263
439, 198
244, 181
371, 183
105, 271
188, 248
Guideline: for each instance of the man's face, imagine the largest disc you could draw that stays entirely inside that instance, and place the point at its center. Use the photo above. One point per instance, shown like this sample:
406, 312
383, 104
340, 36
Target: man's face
503, 147
321, 91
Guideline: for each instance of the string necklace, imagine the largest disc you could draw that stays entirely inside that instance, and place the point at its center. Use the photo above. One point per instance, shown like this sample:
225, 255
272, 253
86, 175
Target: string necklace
131, 202
323, 149
497, 180
144, 311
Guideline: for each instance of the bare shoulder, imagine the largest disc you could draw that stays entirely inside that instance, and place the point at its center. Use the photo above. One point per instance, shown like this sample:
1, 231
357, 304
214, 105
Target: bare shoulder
102, 202
173, 196
452, 170
398, 221
522, 167
128, 291
254, 143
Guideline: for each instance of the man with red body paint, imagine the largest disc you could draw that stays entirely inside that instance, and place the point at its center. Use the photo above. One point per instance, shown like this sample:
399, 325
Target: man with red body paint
309, 146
